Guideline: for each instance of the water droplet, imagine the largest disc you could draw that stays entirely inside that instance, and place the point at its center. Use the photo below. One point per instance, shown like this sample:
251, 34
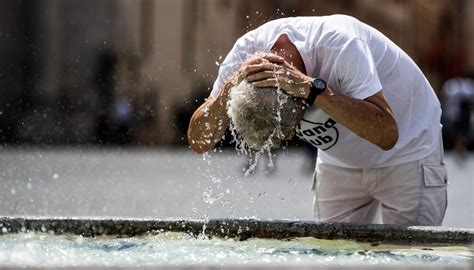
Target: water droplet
205, 111
293, 182
210, 198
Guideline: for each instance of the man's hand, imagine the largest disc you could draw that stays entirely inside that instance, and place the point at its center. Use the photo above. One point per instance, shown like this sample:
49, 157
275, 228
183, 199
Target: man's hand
256, 64
273, 71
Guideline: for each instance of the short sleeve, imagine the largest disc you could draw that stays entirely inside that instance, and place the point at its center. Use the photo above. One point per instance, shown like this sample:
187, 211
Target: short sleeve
356, 70
237, 55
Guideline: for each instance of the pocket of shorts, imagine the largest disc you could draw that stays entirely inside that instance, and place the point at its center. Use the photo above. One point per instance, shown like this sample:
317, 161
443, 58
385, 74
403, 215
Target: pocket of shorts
434, 175
433, 200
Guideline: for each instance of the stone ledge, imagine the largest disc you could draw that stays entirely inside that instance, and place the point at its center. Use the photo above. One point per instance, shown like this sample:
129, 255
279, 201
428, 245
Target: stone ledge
238, 228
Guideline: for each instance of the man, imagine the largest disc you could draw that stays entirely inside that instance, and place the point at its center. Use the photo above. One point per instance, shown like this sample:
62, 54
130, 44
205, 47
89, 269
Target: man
371, 113
458, 96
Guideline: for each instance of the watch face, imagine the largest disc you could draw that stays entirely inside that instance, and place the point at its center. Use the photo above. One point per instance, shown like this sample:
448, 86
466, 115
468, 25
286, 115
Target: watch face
320, 84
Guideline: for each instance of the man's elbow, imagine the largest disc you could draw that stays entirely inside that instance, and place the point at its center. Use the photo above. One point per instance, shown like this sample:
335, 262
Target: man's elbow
199, 146
198, 150
390, 137
195, 145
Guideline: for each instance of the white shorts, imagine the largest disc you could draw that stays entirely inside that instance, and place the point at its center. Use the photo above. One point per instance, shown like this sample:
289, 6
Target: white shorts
413, 193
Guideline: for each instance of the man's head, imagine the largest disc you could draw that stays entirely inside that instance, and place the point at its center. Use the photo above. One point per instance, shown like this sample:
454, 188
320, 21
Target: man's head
263, 115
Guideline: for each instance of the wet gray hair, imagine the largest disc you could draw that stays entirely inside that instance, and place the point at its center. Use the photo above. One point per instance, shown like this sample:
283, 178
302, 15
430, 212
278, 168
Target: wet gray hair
259, 116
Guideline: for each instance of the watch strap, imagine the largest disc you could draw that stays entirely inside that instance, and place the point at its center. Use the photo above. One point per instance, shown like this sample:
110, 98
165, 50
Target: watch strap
314, 92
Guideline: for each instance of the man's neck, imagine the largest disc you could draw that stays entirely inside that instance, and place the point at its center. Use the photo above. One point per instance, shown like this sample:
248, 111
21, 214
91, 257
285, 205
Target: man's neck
284, 48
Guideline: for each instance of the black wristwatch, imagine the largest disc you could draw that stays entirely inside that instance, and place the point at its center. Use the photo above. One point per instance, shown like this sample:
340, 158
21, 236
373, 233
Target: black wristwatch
317, 88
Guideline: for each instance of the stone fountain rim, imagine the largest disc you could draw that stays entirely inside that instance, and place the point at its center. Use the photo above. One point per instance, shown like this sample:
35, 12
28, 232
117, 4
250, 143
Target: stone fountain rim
238, 228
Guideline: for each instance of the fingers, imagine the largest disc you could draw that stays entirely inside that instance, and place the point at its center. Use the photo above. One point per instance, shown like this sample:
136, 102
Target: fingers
261, 67
255, 60
265, 58
251, 69
270, 82
271, 57
274, 58
263, 75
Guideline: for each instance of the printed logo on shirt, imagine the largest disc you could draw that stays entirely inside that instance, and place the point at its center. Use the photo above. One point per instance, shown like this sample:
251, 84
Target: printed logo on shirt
322, 135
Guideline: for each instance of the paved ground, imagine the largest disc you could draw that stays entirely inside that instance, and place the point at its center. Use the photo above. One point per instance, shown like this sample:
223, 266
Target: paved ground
176, 183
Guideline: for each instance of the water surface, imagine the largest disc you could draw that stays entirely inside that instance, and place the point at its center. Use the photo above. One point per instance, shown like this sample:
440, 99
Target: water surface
46, 250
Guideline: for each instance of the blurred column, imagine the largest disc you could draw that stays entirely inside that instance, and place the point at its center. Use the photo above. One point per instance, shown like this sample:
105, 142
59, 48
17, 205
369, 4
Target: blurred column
188, 48
147, 28
469, 24
40, 46
11, 65
28, 72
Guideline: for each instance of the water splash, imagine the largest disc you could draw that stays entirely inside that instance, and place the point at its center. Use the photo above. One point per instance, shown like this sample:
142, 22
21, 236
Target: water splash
166, 248
210, 197
214, 192
277, 135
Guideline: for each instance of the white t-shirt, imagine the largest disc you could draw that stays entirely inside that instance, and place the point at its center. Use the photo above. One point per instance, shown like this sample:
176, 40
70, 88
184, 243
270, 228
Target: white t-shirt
358, 61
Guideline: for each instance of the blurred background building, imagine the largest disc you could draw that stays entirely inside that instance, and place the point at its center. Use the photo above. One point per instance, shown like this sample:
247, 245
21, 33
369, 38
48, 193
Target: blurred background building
132, 72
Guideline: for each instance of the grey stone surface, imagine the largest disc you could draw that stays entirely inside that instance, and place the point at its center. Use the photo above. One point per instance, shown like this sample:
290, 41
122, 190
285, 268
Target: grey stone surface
163, 183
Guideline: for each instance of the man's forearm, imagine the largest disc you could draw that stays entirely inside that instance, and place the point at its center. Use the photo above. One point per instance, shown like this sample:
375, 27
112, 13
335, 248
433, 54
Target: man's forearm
369, 118
209, 123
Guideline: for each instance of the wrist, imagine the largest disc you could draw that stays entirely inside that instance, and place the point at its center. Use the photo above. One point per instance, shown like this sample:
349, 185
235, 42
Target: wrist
317, 87
307, 88
231, 82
